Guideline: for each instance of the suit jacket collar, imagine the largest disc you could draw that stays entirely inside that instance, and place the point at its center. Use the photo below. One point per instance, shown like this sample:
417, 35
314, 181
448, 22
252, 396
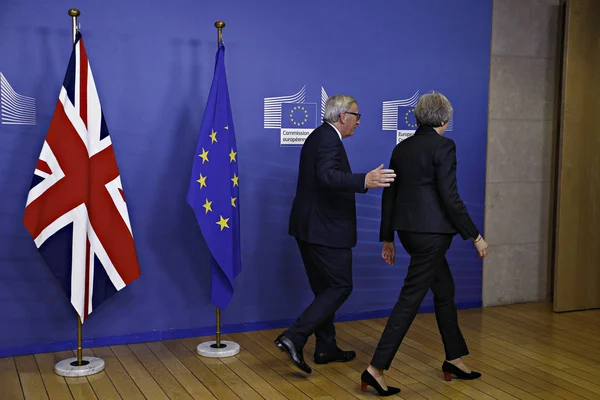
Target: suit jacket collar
345, 161
330, 125
425, 130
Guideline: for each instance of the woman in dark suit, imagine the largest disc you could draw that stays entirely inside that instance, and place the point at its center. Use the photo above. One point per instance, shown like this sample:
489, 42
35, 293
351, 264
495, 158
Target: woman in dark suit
423, 206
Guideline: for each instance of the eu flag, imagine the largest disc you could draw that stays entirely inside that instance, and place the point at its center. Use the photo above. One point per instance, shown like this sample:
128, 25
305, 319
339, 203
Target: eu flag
213, 192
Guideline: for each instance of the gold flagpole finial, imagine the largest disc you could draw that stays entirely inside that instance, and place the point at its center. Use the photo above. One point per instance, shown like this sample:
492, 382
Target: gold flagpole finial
74, 13
220, 25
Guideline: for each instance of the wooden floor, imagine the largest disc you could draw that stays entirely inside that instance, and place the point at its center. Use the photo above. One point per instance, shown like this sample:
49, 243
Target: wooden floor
524, 352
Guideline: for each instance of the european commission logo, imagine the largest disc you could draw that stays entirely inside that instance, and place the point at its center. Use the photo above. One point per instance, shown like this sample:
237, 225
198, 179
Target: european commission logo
15, 109
293, 116
399, 116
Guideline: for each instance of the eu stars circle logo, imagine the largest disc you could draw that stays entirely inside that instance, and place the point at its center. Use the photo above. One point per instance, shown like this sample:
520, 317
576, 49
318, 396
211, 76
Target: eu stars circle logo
406, 117
298, 115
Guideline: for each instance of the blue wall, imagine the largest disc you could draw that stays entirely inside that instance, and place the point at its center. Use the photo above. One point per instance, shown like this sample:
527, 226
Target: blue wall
153, 64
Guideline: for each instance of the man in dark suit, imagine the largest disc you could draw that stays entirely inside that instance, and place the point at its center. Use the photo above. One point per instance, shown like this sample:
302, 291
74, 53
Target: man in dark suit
423, 206
323, 221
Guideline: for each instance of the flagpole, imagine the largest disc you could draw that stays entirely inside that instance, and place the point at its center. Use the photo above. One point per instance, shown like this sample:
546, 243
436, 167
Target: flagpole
79, 342
219, 25
218, 344
226, 348
79, 366
74, 14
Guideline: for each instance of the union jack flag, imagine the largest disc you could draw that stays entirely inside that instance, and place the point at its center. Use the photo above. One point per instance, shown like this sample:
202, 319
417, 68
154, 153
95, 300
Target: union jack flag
76, 210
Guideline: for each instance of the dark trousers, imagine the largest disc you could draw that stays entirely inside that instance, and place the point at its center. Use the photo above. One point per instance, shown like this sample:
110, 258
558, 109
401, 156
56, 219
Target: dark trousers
329, 273
428, 268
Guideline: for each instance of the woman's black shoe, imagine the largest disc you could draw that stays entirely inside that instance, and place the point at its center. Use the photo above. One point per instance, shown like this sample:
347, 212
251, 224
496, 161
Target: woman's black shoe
451, 369
367, 379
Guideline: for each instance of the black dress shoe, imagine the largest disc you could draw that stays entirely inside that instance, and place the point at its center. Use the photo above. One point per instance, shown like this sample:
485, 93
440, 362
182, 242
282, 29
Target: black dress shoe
451, 369
294, 352
335, 356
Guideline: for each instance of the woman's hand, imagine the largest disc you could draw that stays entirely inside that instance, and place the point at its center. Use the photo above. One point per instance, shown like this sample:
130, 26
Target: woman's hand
481, 246
388, 253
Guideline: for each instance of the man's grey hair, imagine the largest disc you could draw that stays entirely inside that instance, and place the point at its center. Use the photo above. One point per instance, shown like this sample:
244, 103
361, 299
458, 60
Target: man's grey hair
336, 105
433, 109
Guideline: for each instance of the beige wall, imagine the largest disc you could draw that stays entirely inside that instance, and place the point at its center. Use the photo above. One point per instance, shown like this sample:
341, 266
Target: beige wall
522, 84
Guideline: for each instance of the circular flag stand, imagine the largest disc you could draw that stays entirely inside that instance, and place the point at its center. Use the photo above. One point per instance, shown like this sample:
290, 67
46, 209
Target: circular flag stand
79, 366
218, 348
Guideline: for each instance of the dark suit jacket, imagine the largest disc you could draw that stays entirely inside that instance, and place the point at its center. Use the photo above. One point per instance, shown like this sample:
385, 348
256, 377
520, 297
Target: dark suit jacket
324, 209
424, 197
